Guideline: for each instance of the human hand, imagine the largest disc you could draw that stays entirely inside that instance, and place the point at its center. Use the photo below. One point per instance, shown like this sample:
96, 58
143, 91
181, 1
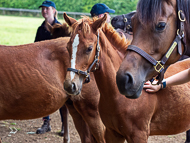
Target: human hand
151, 88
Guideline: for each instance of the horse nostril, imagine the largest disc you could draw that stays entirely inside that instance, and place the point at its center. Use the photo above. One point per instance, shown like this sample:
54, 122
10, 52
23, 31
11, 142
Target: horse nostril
124, 82
129, 79
70, 87
73, 86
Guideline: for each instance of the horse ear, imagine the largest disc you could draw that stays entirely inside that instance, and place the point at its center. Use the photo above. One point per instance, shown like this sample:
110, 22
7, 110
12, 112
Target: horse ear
49, 27
98, 23
69, 20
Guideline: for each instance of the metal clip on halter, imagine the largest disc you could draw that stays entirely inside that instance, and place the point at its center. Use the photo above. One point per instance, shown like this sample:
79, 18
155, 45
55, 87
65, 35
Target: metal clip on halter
159, 69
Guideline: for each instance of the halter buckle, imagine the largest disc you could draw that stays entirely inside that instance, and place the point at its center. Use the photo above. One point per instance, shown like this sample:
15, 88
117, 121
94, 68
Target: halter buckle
78, 72
180, 36
161, 66
128, 26
87, 74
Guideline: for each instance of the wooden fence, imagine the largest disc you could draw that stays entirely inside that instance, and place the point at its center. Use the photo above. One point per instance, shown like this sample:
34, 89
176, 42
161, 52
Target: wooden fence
29, 12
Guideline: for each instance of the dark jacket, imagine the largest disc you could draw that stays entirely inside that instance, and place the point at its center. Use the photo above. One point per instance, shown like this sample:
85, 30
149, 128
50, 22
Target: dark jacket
42, 33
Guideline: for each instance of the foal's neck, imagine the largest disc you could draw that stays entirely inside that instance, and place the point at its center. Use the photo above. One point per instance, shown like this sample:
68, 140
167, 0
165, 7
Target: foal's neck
110, 62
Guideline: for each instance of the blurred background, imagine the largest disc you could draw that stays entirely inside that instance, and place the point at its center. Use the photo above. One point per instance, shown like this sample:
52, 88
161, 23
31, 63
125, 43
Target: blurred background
19, 19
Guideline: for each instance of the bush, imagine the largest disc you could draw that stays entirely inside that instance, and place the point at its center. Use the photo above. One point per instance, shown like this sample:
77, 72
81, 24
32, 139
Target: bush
120, 6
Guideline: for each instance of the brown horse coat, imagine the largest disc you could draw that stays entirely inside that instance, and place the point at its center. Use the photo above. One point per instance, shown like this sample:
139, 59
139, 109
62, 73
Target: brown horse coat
31, 79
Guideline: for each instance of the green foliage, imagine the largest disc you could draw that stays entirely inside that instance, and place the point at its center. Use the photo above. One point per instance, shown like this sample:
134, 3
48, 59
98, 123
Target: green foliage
120, 6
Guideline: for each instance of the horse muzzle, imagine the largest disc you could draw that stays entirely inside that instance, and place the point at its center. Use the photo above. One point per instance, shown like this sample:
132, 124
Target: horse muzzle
71, 87
126, 86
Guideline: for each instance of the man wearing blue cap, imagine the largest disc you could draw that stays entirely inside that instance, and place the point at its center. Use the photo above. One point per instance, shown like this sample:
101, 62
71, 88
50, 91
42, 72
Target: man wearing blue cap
49, 12
100, 9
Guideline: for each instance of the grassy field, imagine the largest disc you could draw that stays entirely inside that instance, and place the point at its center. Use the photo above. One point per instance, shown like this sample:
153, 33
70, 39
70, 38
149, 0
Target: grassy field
18, 30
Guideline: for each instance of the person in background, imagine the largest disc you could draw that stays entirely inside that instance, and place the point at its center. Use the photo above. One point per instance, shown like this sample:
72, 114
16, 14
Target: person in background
49, 12
100, 9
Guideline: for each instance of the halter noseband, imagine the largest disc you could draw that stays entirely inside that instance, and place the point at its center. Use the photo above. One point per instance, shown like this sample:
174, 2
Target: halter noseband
159, 65
96, 61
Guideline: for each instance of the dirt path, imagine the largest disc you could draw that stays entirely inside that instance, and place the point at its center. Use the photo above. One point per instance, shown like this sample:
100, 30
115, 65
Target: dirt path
29, 126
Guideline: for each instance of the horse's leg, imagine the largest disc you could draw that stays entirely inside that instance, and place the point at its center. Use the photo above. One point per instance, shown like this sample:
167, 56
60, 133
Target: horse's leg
88, 109
81, 126
113, 137
0, 140
138, 136
65, 124
187, 136
95, 124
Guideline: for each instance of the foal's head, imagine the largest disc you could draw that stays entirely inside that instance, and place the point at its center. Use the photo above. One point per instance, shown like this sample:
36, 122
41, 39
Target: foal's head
82, 48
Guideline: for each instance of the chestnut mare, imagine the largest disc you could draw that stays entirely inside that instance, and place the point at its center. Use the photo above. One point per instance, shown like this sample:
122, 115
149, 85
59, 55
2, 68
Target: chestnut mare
33, 76
163, 113
84, 110
161, 34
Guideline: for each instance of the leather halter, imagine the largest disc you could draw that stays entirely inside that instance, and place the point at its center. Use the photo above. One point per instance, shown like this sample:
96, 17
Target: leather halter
127, 26
159, 65
96, 61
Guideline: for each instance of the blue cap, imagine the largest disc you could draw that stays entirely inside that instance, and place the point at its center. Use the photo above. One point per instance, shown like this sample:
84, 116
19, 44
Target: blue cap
100, 8
48, 3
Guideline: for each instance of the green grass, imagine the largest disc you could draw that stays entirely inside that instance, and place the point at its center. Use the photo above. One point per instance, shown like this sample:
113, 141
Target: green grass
18, 30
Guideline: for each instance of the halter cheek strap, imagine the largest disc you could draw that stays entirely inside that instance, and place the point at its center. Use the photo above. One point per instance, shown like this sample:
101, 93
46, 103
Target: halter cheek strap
127, 25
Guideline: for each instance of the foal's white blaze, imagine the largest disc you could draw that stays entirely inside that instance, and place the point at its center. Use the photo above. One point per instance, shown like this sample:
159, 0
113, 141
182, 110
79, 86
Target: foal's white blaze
74, 52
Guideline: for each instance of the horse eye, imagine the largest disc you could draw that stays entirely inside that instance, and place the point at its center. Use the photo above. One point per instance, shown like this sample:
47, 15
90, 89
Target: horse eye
89, 49
160, 26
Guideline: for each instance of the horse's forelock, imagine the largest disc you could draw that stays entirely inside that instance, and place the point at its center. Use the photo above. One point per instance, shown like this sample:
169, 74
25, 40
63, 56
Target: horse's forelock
185, 4
85, 25
148, 11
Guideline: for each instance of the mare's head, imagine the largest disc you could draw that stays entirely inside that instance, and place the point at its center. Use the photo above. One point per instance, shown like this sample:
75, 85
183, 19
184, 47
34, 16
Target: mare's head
123, 21
84, 50
157, 27
59, 30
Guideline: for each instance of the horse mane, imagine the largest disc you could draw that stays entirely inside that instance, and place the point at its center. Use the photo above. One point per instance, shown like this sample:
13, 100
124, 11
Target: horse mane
83, 24
149, 10
120, 43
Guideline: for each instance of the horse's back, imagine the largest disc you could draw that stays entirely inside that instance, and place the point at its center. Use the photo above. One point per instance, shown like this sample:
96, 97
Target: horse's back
31, 77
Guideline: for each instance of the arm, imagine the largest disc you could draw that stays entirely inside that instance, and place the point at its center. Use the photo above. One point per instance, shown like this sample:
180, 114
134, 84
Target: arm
179, 78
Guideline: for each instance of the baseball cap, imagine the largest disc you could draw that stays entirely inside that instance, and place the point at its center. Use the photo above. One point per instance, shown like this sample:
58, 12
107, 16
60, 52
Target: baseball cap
48, 3
100, 8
